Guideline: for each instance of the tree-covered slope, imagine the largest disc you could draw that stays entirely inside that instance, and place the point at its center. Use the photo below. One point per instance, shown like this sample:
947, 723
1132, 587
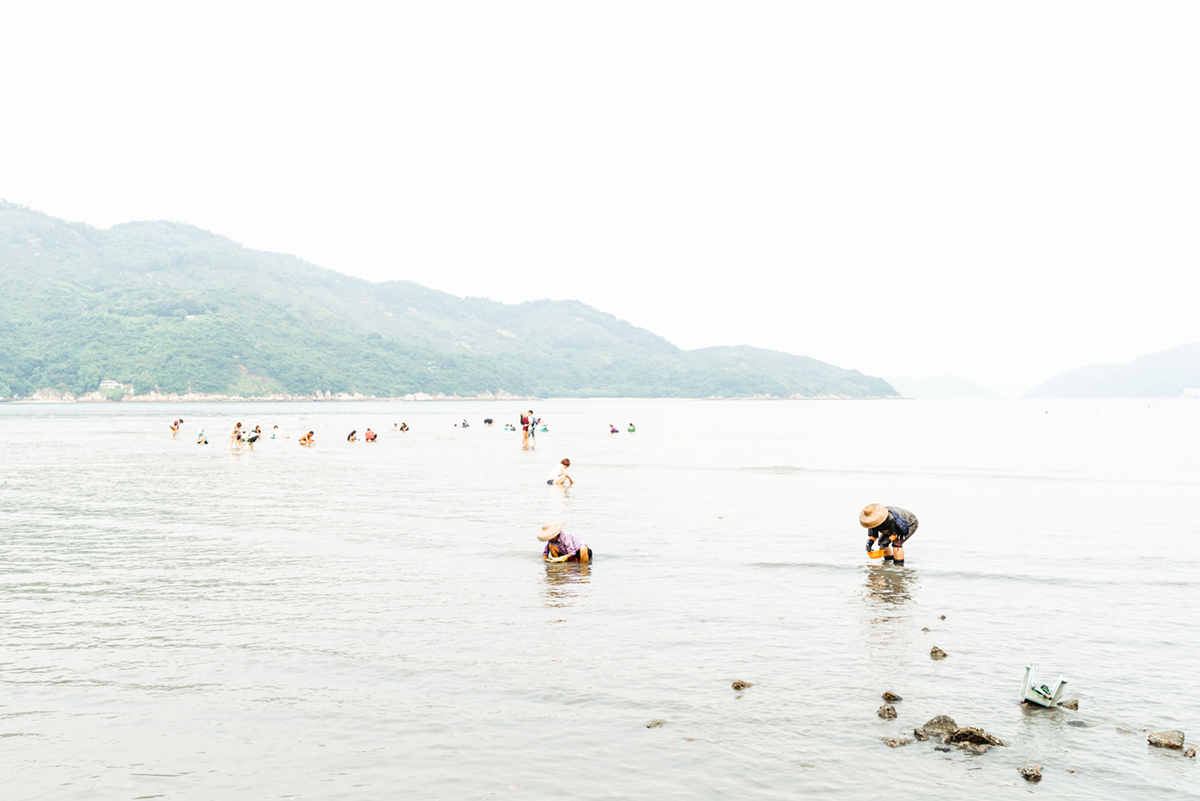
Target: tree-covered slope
173, 308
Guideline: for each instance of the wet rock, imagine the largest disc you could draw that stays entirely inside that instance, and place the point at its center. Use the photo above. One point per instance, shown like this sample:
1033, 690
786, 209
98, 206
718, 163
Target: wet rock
942, 617
1127, 731
936, 729
944, 748
896, 742
1031, 773
970, 735
656, 724
937, 653
887, 711
925, 629
1190, 752
1166, 739
740, 685
891, 697
1071, 704
1079, 724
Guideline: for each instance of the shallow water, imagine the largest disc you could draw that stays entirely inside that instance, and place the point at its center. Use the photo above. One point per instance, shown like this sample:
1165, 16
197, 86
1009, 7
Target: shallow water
365, 621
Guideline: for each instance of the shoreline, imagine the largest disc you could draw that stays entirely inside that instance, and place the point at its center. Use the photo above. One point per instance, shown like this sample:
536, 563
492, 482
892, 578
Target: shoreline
55, 396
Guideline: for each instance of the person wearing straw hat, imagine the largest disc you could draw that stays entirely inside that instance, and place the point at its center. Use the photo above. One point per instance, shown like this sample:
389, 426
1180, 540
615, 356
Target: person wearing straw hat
890, 527
562, 546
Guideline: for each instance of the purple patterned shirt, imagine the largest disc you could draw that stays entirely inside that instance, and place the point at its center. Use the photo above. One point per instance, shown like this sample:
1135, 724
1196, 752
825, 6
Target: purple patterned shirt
566, 542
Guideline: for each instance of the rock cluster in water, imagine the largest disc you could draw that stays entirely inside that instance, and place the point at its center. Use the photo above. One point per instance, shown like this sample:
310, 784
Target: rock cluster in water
1071, 704
656, 724
937, 653
1031, 773
896, 742
943, 729
887, 711
740, 685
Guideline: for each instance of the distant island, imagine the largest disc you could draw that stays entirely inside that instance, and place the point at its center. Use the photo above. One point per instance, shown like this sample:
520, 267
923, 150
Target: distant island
154, 310
1165, 374
941, 386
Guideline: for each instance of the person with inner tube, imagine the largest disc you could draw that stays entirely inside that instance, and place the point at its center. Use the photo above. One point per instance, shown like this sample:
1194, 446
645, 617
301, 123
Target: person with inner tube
562, 545
888, 528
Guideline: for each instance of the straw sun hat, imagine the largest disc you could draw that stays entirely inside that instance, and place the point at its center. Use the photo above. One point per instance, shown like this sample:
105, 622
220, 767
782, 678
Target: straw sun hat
549, 531
873, 515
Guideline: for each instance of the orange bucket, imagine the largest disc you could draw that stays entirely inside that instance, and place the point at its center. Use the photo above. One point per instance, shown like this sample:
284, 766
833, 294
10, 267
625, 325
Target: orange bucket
875, 554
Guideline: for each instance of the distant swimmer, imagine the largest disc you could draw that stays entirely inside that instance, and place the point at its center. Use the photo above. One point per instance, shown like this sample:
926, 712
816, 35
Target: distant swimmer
509, 427
561, 476
274, 432
351, 437
487, 421
888, 528
631, 428
612, 429
404, 426
466, 424
307, 440
562, 546
395, 426
201, 438
253, 436
369, 436
175, 426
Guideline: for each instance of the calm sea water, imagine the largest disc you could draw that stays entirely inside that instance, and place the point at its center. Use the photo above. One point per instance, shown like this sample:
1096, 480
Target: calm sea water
373, 621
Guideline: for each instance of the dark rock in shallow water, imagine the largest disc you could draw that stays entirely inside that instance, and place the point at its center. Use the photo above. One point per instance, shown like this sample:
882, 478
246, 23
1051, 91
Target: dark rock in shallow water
1166, 739
925, 629
970, 735
937, 728
896, 742
740, 685
944, 748
1190, 751
887, 711
1079, 724
943, 617
1031, 773
937, 653
891, 697
656, 724
1071, 704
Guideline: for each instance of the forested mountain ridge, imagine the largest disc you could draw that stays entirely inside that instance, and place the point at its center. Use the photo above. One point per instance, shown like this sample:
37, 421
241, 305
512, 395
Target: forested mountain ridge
169, 307
1164, 374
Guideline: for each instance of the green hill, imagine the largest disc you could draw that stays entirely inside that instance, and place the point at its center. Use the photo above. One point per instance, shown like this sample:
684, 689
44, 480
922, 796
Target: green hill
171, 308
1165, 374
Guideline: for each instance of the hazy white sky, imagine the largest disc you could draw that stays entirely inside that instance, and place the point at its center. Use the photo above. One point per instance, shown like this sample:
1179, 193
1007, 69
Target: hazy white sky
996, 190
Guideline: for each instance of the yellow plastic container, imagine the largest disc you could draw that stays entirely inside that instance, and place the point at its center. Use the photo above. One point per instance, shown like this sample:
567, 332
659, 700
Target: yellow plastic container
875, 554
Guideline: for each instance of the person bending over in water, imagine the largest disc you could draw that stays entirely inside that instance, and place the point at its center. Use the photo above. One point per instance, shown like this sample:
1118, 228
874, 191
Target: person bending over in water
201, 438
351, 437
274, 431
235, 437
404, 426
562, 546
612, 429
175, 426
307, 440
632, 428
890, 527
561, 476
395, 427
466, 424
487, 421
252, 437
369, 436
